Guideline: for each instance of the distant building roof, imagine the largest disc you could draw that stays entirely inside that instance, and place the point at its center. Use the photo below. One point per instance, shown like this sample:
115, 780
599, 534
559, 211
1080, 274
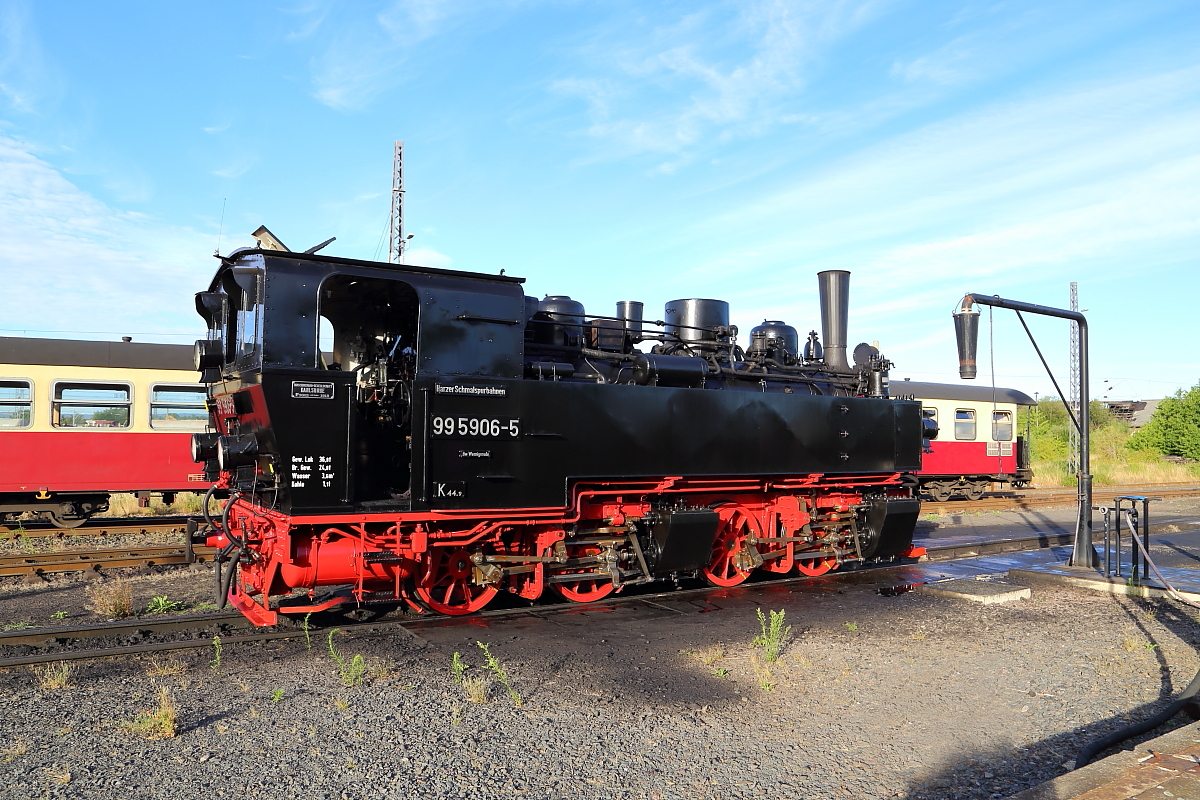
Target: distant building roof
1142, 416
1136, 412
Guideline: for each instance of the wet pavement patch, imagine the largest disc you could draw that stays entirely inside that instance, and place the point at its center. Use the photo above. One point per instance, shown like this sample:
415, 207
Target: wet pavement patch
986, 592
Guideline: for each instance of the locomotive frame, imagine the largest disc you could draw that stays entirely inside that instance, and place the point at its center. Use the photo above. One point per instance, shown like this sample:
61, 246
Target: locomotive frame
461, 439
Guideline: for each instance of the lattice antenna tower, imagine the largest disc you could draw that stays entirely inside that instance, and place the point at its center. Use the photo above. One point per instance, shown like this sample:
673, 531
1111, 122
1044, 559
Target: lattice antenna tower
396, 241
1073, 457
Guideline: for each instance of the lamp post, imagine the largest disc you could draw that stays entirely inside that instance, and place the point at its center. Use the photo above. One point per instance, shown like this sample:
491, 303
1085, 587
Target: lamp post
966, 329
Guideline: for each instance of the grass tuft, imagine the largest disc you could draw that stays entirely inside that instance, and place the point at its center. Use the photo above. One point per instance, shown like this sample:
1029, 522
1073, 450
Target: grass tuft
169, 666
56, 675
476, 688
711, 655
56, 774
113, 599
17, 748
158, 723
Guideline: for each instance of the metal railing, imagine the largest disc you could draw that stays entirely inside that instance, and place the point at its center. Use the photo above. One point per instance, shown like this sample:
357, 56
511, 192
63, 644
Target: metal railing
1117, 517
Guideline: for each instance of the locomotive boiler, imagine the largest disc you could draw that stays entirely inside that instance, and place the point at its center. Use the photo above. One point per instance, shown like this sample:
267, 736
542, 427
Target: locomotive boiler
454, 438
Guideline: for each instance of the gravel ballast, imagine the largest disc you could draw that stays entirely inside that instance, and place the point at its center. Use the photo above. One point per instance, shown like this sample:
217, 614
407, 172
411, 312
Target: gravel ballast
902, 696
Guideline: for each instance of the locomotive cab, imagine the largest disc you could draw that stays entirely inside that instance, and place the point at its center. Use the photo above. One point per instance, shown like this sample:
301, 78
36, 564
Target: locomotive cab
312, 363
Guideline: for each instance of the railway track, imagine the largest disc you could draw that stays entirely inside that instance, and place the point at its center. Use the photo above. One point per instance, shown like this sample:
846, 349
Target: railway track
228, 624
1044, 498
97, 527
108, 558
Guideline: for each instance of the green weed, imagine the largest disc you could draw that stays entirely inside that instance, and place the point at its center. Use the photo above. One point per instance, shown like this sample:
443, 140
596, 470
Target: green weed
493, 664
216, 661
851, 626
351, 672
307, 638
59, 615
162, 605
773, 633
276, 695
457, 668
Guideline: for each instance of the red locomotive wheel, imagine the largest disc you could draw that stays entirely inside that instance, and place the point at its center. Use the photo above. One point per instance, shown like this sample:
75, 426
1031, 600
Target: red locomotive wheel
446, 585
816, 566
734, 529
586, 590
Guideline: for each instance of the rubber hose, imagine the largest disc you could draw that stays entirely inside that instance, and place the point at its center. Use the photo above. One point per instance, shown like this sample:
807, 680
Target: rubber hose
226, 579
1090, 750
208, 496
219, 560
225, 522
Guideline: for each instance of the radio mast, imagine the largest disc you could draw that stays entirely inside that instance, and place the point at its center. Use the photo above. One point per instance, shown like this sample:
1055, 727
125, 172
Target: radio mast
397, 241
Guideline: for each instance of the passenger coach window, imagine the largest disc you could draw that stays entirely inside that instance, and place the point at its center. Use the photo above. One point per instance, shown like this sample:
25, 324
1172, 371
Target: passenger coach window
1002, 426
16, 404
91, 405
964, 424
177, 408
929, 413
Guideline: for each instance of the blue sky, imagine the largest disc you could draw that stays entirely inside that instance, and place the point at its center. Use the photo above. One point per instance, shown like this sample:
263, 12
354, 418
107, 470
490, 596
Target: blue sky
627, 150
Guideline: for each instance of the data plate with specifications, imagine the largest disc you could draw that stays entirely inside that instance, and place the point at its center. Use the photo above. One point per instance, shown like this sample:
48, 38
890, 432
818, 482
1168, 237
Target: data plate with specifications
444, 427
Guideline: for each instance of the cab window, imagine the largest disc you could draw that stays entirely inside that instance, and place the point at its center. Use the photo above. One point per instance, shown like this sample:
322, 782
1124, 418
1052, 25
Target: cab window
964, 424
1002, 426
16, 403
177, 407
91, 405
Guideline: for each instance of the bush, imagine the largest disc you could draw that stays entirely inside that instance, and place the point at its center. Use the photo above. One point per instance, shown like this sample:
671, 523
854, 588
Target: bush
1174, 429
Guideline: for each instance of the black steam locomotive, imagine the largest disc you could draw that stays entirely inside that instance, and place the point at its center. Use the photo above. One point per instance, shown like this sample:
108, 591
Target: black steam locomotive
457, 439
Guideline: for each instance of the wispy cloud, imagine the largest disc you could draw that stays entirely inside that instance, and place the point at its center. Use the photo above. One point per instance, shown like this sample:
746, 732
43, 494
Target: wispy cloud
366, 57
1095, 182
714, 74
26, 77
427, 257
236, 168
99, 264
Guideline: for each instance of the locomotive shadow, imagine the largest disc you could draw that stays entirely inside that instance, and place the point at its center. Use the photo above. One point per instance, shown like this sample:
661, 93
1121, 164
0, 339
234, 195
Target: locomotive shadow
1048, 758
624, 653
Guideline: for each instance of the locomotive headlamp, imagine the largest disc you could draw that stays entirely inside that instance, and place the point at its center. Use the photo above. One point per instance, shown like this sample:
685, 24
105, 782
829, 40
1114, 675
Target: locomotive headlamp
207, 355
966, 331
204, 446
235, 451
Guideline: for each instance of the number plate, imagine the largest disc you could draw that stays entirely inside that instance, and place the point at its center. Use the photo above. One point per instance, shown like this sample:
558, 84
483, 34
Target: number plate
444, 427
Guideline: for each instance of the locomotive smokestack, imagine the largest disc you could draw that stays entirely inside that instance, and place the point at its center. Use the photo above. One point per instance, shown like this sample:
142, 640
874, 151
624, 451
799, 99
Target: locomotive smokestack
835, 310
966, 331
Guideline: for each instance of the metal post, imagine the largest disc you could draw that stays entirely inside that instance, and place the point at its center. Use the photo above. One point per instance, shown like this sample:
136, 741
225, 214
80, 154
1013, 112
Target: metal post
1084, 553
1146, 530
